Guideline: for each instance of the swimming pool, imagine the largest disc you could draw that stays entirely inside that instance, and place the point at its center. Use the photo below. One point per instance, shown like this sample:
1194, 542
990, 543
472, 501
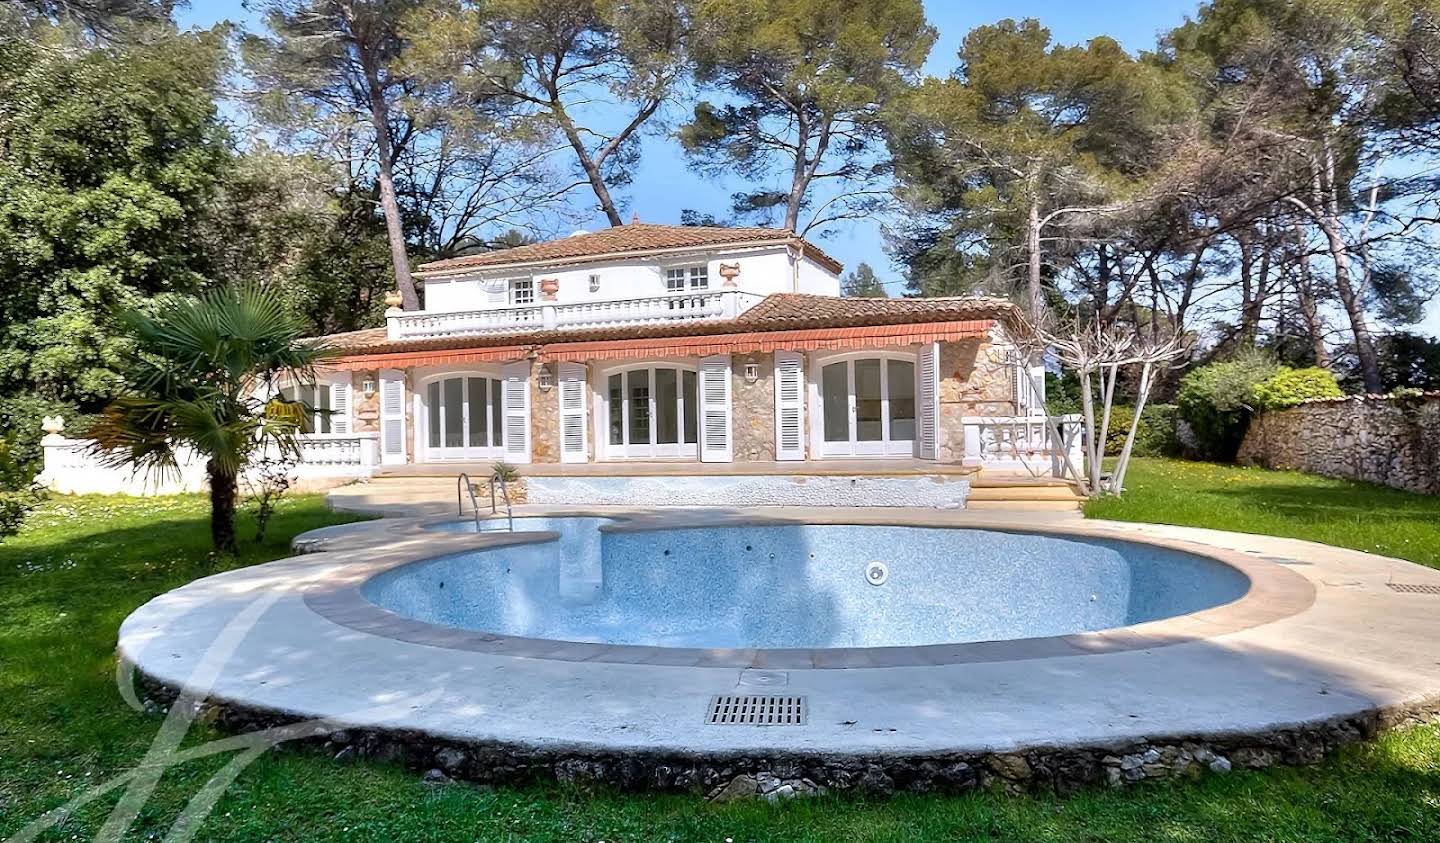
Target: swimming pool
800, 585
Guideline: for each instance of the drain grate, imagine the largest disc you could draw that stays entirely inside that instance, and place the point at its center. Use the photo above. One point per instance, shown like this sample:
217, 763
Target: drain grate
1414, 588
756, 710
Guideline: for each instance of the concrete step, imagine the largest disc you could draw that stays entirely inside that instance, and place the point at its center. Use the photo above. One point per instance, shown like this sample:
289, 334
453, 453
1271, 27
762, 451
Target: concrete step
1023, 506
1023, 493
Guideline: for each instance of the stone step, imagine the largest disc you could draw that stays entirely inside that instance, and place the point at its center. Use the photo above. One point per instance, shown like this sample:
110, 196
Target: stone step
1023, 493
1023, 506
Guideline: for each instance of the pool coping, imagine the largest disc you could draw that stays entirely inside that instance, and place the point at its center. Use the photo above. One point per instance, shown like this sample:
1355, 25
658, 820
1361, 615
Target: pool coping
1274, 593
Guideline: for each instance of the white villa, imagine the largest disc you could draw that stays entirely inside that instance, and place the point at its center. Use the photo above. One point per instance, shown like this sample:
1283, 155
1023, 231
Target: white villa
679, 345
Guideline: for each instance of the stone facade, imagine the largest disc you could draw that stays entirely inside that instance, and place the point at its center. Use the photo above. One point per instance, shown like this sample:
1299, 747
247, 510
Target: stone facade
975, 380
1392, 441
752, 416
545, 417
366, 408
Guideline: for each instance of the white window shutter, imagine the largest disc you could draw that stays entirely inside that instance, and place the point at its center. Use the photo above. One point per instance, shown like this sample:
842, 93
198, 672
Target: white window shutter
392, 416
715, 443
340, 404
927, 391
789, 405
572, 413
515, 396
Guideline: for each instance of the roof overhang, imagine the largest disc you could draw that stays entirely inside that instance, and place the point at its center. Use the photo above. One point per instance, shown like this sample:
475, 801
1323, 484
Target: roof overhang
811, 339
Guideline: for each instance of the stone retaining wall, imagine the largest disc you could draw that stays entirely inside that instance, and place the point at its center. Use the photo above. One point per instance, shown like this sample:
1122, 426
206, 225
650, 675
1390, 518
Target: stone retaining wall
1394, 441
1044, 769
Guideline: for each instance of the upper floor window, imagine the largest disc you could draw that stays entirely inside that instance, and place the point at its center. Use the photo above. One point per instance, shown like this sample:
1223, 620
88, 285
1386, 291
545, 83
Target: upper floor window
679, 278
522, 291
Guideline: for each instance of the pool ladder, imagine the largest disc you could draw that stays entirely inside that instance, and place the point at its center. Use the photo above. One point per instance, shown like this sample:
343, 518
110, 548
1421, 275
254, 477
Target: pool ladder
464, 483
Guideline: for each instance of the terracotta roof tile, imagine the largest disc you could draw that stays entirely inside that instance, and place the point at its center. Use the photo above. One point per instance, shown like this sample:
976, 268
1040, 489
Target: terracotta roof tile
635, 238
781, 312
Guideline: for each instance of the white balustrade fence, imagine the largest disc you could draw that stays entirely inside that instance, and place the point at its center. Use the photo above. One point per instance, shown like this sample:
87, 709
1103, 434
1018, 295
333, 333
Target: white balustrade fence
326, 459
1024, 444
550, 316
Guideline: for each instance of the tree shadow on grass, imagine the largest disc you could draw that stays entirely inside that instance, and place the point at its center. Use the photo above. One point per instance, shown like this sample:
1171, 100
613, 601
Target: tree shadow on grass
1311, 503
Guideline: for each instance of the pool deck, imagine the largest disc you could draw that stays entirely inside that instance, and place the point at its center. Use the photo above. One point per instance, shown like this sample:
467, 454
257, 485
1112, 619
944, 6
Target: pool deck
1321, 640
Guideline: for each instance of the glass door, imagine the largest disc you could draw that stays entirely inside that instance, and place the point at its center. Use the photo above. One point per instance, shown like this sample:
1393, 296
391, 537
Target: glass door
464, 419
868, 407
652, 413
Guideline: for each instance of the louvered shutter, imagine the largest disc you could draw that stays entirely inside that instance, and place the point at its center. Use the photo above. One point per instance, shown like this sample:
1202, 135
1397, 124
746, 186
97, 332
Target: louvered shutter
927, 393
572, 413
392, 416
515, 396
789, 406
340, 404
715, 409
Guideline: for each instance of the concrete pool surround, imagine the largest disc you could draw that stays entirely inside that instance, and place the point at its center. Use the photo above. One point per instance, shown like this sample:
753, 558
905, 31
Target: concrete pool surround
1318, 653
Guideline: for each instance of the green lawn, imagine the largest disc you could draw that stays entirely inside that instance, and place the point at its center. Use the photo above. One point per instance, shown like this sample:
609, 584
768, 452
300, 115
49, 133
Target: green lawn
83, 564
1279, 503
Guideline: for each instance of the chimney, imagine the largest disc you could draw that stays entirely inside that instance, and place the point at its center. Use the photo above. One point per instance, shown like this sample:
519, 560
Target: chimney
634, 217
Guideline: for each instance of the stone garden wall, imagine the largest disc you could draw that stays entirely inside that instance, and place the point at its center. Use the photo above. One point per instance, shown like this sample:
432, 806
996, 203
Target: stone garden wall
1380, 439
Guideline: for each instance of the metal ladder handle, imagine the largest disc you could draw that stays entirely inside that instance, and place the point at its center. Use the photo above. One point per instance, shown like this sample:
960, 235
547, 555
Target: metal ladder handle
463, 481
505, 491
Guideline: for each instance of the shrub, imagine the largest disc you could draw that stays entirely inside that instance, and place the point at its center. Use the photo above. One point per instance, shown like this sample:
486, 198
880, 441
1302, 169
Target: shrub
1216, 402
1289, 387
1155, 437
17, 495
20, 418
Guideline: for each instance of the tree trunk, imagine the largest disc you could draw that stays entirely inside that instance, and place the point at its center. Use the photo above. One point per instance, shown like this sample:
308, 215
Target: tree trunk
1310, 311
224, 488
1329, 223
385, 167
1032, 248
587, 161
798, 180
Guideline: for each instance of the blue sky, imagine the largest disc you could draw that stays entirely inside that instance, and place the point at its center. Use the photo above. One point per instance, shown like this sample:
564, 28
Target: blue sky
663, 186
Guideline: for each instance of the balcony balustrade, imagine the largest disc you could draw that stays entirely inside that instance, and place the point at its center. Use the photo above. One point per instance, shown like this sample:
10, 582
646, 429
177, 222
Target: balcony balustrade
571, 316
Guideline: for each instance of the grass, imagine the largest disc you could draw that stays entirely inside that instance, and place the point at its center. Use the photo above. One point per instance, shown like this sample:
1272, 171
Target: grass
1375, 519
82, 564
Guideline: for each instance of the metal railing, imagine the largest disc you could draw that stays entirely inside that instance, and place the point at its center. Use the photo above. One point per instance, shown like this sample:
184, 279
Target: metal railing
464, 485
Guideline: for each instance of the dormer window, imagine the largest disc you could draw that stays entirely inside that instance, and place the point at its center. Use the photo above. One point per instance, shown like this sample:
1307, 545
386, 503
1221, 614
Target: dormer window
522, 291
680, 278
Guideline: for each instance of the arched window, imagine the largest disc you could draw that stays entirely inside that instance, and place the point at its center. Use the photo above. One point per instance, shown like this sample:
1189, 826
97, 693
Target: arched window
463, 417
867, 405
651, 412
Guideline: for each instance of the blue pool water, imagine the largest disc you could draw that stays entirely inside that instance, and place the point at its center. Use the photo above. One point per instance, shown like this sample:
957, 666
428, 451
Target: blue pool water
800, 585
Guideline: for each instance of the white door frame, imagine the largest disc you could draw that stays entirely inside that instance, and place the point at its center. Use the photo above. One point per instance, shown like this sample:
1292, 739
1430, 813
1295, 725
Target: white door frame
853, 448
652, 450
427, 453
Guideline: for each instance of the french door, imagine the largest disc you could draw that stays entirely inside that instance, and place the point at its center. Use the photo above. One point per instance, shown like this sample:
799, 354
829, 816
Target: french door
652, 413
464, 418
867, 406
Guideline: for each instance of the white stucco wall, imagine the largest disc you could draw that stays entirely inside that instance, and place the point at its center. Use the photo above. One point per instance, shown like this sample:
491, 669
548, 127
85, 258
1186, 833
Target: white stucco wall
763, 271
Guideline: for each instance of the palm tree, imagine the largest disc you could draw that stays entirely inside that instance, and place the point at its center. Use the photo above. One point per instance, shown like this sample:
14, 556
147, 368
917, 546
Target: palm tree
199, 379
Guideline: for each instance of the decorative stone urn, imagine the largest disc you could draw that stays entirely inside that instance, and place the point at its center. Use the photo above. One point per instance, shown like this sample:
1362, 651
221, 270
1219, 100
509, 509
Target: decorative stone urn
53, 427
730, 271
549, 287
393, 300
